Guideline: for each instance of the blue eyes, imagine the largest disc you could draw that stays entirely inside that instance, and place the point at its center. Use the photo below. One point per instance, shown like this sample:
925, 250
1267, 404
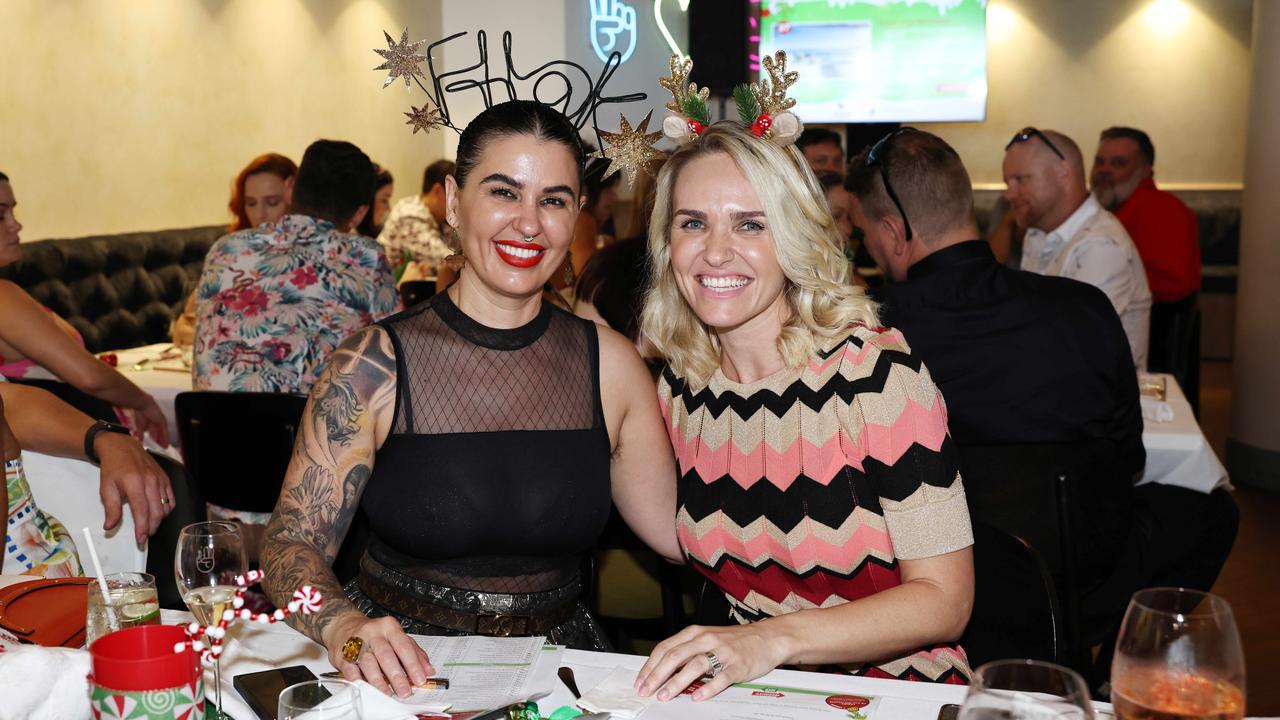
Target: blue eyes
749, 226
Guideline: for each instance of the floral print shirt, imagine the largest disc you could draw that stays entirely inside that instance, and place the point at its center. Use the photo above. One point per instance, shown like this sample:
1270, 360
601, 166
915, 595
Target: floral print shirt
273, 302
411, 233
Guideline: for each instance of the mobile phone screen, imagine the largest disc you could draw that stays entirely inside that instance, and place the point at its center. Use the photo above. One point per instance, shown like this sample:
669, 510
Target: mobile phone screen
261, 690
948, 712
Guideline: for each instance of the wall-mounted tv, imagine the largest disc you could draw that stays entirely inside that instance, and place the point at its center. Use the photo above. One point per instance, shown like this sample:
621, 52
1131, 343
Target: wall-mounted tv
881, 60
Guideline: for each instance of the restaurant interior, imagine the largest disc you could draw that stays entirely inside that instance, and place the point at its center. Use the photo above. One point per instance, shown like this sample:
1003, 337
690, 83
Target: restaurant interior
127, 125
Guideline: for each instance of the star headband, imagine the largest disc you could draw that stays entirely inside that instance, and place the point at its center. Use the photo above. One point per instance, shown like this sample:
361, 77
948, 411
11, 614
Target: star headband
557, 83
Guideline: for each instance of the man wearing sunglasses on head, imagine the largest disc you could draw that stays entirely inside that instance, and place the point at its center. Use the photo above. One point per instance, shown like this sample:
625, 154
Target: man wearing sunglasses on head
1069, 234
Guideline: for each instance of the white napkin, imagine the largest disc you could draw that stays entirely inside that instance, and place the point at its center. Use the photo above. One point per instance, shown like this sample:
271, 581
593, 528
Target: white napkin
616, 695
376, 706
1155, 410
44, 682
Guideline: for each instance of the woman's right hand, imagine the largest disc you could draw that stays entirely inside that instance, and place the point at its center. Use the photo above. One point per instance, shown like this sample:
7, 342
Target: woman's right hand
389, 660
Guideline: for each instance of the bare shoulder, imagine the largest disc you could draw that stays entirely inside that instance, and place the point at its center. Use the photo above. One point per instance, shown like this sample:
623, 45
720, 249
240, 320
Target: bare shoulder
619, 360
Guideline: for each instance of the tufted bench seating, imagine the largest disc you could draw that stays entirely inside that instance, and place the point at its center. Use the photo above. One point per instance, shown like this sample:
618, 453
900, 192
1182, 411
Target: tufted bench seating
118, 291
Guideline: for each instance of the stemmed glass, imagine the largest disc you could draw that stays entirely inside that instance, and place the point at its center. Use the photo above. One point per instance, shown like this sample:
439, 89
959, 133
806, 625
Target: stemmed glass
1026, 690
320, 700
209, 557
1178, 656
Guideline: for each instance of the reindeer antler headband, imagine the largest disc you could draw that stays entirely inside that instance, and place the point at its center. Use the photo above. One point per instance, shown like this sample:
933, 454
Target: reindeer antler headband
763, 106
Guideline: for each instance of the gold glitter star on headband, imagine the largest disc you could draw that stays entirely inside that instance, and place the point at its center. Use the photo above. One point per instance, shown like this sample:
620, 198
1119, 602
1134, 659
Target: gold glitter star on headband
425, 118
630, 150
401, 58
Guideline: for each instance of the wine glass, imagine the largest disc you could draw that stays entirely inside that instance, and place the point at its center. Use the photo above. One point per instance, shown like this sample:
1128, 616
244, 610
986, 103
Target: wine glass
320, 700
209, 557
1026, 690
1178, 656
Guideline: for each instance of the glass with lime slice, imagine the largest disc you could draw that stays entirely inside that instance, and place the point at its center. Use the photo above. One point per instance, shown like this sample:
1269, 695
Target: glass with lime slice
132, 601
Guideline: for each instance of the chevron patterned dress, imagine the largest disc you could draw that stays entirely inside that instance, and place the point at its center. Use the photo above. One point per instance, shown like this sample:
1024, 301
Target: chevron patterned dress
804, 489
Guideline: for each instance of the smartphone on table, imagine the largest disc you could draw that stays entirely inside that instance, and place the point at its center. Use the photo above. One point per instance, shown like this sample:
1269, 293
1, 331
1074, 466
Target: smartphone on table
261, 690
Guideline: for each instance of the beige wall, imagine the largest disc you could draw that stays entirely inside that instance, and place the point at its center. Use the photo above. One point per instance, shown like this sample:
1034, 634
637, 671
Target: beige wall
136, 115
1178, 69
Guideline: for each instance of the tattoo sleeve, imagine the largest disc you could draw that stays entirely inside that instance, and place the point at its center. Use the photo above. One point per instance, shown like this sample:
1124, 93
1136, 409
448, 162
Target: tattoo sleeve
332, 461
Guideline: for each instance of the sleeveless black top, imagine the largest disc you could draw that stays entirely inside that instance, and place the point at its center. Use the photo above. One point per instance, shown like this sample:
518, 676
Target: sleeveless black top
495, 475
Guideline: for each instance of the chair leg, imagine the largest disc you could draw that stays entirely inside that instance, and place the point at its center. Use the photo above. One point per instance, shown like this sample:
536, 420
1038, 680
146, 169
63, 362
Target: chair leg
1077, 655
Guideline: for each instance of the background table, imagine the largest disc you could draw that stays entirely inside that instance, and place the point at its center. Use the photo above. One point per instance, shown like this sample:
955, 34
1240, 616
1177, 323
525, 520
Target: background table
1177, 451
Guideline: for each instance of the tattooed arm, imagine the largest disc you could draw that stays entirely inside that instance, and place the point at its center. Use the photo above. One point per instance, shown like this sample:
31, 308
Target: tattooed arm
346, 419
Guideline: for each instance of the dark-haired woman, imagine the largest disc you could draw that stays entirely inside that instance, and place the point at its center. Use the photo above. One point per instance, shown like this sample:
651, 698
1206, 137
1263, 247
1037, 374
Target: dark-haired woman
32, 335
384, 185
482, 433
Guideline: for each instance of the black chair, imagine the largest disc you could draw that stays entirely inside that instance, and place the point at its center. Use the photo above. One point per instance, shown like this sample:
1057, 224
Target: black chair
1174, 345
1015, 604
238, 444
671, 579
416, 291
84, 402
188, 508
1069, 502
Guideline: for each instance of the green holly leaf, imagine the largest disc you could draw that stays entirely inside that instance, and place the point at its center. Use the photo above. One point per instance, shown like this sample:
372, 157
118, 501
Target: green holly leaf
748, 108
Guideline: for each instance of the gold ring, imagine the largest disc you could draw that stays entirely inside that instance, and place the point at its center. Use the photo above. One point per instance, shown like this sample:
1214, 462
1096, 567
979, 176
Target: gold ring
164, 501
351, 649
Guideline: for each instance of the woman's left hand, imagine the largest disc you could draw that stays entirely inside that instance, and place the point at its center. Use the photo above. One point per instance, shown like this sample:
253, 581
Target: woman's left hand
745, 653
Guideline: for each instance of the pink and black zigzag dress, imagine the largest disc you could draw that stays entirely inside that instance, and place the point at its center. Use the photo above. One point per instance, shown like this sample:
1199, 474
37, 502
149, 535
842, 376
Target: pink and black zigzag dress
804, 489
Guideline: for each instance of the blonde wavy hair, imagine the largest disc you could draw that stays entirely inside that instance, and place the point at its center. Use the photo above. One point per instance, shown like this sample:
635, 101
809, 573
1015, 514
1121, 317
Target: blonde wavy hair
822, 300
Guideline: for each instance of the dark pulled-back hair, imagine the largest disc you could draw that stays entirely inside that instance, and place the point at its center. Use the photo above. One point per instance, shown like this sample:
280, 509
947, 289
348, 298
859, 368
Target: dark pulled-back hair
517, 117
3, 177
927, 174
334, 180
435, 174
382, 177
1146, 150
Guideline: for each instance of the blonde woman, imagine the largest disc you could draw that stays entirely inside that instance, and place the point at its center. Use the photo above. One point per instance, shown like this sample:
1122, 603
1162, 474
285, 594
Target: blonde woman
818, 485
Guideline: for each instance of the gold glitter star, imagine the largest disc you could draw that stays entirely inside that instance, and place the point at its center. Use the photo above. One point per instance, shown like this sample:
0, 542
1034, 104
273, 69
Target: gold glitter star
401, 58
425, 118
630, 150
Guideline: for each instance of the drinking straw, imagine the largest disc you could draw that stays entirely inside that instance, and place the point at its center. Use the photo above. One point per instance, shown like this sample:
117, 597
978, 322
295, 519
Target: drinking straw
102, 580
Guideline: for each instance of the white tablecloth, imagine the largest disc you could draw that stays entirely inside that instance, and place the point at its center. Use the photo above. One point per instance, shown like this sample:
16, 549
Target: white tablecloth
252, 647
1177, 451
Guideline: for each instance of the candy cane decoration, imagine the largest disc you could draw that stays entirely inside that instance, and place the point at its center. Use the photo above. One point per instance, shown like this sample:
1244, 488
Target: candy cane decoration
207, 639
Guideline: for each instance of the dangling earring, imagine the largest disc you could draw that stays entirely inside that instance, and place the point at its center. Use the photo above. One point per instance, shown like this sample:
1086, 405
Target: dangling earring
457, 259
568, 269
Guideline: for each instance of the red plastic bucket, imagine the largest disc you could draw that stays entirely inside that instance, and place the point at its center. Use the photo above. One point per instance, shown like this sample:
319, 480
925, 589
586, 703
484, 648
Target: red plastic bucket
142, 658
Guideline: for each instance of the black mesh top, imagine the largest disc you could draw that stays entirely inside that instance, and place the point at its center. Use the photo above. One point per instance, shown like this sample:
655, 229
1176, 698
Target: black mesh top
495, 475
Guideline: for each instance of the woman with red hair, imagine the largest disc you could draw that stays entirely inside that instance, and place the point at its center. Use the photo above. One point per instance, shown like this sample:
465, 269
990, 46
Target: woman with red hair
260, 194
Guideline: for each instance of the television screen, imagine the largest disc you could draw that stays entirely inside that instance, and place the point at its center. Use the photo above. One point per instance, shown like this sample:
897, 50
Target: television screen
881, 60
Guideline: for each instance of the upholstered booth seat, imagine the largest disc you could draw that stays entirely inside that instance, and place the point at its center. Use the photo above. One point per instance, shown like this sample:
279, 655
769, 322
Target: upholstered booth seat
119, 291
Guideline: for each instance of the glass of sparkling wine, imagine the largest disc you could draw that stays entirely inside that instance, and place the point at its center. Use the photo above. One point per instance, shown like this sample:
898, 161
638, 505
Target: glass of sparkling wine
1178, 657
131, 601
1026, 690
209, 557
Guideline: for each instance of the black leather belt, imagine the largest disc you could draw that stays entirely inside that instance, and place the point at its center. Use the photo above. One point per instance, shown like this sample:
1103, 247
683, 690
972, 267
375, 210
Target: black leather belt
478, 623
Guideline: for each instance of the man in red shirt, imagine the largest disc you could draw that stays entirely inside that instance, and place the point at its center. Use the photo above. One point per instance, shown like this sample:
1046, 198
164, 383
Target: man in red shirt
1167, 236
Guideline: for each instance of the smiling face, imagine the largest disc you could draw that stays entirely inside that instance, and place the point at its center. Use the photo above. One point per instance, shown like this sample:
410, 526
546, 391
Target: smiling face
722, 249
1034, 183
516, 214
266, 198
1118, 168
10, 250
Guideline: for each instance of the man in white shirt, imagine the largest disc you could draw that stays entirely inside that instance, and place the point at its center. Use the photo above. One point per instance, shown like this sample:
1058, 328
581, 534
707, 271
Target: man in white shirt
1069, 234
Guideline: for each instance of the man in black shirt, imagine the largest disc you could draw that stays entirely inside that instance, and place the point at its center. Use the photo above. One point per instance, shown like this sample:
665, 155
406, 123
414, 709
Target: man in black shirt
1023, 359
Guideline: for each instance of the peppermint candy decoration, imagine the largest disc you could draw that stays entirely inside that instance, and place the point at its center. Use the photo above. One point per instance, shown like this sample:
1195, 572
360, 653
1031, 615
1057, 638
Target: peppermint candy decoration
207, 639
